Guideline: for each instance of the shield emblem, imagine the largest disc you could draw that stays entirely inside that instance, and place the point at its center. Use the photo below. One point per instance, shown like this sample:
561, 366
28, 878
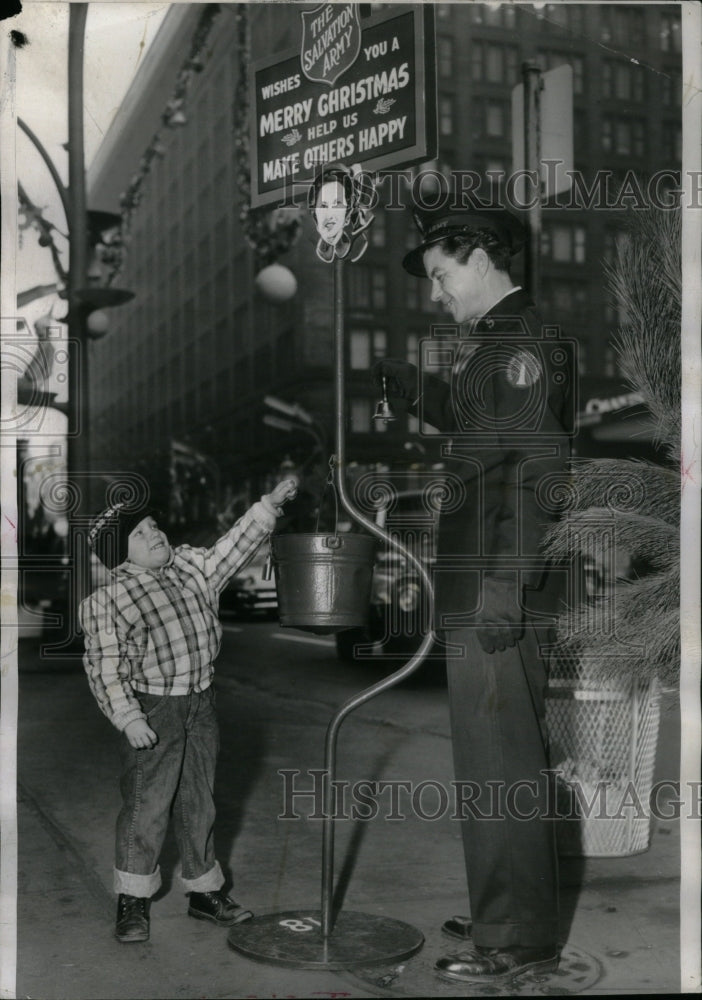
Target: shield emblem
331, 41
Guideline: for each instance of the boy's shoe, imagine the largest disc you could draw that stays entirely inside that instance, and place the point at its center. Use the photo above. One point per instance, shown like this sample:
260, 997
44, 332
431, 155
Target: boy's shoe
217, 907
460, 928
496, 965
132, 919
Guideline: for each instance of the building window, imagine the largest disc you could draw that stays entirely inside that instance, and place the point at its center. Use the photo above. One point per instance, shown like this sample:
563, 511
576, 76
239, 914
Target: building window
367, 347
412, 350
478, 62
564, 243
359, 344
557, 14
672, 142
446, 115
637, 83
359, 295
670, 33
638, 138
411, 292
493, 63
623, 81
622, 25
445, 56
579, 244
360, 415
569, 297
377, 230
582, 358
624, 136
379, 293
494, 119
671, 86
546, 243
610, 362
493, 16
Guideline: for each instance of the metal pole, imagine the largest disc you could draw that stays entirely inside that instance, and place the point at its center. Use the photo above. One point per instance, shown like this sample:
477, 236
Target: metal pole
78, 385
533, 85
391, 679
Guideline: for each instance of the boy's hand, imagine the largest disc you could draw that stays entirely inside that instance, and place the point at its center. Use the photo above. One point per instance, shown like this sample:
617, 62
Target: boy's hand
140, 735
285, 490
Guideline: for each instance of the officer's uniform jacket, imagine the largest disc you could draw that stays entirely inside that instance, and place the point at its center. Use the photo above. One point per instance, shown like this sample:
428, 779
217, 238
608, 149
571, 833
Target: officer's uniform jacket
507, 416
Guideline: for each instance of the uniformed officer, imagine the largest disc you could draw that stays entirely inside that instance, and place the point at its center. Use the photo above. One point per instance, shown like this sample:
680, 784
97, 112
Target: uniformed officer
505, 408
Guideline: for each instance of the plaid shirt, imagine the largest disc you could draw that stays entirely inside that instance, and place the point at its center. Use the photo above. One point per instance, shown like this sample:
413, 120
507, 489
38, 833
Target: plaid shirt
158, 631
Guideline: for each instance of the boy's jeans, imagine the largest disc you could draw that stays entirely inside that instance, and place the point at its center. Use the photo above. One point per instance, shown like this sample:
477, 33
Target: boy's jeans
179, 772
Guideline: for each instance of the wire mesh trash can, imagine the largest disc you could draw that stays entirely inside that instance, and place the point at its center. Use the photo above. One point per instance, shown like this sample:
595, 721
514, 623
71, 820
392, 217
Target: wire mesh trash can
603, 738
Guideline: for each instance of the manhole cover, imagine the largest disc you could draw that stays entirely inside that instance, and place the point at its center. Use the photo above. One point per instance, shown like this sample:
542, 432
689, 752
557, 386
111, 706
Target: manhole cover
577, 971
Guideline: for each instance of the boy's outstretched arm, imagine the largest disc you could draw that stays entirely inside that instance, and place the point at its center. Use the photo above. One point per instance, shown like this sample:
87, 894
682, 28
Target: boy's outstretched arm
232, 551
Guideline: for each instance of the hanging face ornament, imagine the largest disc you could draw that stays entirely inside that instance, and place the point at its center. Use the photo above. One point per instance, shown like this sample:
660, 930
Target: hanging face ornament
340, 206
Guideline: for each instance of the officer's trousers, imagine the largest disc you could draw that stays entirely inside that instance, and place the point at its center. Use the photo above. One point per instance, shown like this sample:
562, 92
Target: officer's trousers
500, 760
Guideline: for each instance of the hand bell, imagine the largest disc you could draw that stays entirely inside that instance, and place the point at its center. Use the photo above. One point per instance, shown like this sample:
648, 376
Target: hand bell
383, 410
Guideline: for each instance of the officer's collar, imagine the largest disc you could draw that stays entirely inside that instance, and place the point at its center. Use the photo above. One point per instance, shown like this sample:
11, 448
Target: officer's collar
510, 305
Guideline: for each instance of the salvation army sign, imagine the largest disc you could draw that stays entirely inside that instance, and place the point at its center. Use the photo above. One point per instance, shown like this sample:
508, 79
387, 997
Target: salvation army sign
331, 41
356, 90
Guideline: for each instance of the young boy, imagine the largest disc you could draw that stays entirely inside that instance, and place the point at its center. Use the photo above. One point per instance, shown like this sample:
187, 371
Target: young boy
151, 636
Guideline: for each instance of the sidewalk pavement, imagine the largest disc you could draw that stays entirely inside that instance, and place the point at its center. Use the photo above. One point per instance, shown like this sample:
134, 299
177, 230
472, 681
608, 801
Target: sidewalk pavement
620, 914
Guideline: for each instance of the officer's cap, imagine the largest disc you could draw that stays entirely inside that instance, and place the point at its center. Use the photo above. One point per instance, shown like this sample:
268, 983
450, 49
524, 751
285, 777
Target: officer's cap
436, 224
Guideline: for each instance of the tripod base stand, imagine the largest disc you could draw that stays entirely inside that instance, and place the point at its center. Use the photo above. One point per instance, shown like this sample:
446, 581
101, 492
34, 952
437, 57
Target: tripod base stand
294, 939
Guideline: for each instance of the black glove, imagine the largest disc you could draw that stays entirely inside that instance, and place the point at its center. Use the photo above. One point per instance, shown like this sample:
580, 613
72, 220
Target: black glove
501, 616
400, 378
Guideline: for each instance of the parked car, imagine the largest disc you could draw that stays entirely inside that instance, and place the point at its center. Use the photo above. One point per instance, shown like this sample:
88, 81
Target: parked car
398, 615
248, 594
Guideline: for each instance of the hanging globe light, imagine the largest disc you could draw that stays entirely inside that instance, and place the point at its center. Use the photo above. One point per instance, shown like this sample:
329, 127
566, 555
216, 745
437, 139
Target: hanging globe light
97, 323
276, 283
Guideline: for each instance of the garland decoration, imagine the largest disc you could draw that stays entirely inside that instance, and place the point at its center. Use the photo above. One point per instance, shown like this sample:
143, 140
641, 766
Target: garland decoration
113, 254
269, 234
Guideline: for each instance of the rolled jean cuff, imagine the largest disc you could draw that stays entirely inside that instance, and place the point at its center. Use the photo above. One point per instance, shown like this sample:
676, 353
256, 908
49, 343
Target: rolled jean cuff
211, 881
143, 886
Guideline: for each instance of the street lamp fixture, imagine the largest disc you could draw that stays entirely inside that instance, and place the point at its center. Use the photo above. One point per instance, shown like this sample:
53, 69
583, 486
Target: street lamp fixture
87, 231
289, 409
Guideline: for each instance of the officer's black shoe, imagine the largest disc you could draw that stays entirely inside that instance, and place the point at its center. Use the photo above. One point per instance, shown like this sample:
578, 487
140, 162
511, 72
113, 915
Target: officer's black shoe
457, 927
496, 965
217, 907
132, 919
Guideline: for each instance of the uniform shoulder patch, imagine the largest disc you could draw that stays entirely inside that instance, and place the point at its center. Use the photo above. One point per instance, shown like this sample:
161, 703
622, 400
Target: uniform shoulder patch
523, 369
